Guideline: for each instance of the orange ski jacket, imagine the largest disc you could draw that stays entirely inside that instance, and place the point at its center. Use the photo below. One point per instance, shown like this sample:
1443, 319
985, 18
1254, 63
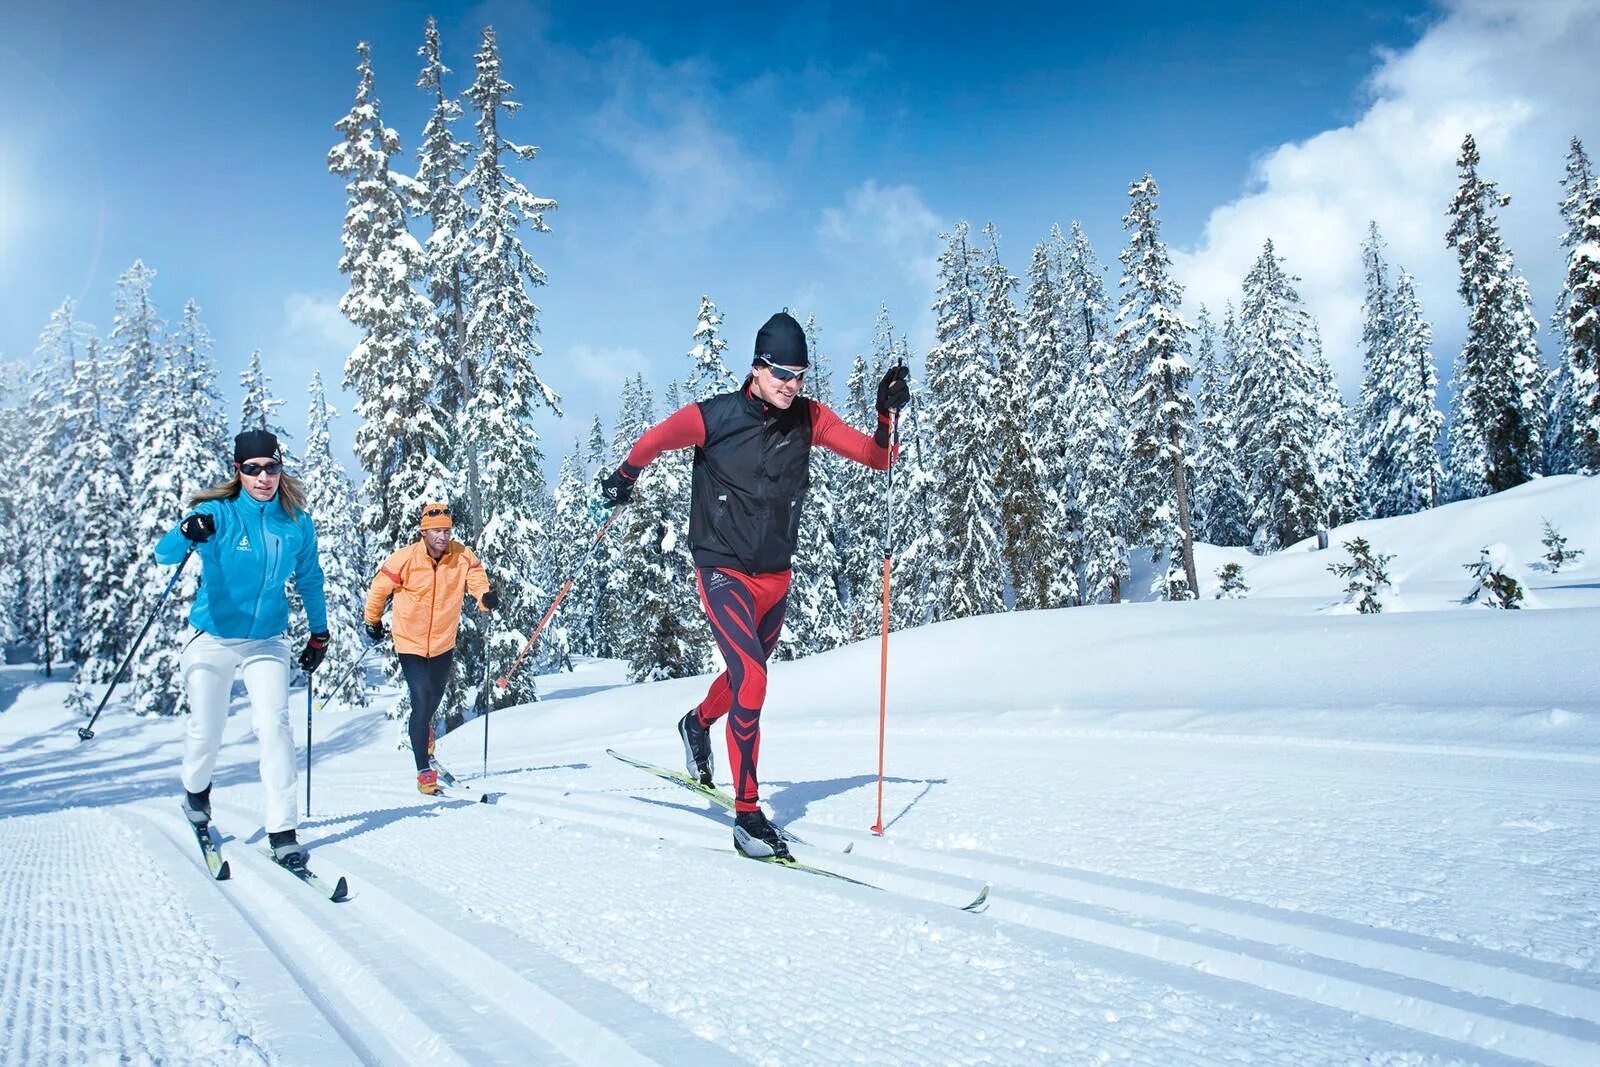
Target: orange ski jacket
427, 595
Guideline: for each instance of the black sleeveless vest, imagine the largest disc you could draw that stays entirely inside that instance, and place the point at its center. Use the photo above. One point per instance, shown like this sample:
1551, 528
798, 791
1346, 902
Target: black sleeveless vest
750, 480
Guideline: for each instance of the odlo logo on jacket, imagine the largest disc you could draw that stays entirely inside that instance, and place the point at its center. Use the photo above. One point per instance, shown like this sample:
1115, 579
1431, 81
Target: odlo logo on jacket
244, 543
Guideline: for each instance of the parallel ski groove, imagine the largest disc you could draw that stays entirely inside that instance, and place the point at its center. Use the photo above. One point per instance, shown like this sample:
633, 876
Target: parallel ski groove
1517, 1025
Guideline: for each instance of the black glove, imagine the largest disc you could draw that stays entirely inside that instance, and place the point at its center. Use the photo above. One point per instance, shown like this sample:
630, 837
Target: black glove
375, 631
491, 600
616, 488
198, 527
314, 653
894, 391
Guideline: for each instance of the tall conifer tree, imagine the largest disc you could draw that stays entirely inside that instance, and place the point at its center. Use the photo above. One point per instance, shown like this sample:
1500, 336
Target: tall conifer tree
1497, 420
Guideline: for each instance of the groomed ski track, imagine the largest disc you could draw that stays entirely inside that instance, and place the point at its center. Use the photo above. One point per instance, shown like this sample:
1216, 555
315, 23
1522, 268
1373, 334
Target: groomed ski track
472, 937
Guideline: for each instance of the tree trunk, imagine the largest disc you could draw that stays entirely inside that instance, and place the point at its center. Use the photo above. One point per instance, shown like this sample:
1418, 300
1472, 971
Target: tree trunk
1181, 483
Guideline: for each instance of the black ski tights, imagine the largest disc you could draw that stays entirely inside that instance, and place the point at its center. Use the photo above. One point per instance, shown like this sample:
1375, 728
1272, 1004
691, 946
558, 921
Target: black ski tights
426, 677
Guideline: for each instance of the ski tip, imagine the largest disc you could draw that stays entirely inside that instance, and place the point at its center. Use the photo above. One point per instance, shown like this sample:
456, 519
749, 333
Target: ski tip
341, 891
490, 798
979, 902
224, 872
849, 847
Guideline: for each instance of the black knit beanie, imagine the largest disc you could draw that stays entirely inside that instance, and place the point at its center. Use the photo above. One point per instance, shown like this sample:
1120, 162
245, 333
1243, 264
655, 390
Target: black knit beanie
782, 341
252, 444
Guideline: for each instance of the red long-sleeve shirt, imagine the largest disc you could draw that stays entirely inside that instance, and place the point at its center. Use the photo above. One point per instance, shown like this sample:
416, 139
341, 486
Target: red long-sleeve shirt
685, 428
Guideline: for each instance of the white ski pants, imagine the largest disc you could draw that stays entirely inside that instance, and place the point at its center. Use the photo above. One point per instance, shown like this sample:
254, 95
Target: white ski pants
209, 664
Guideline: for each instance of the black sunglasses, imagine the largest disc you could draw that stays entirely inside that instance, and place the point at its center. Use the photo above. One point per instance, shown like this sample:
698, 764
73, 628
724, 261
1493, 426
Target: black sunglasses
253, 469
433, 513
783, 374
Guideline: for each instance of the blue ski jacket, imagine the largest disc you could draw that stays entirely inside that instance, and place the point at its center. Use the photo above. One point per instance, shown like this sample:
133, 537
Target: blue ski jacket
244, 565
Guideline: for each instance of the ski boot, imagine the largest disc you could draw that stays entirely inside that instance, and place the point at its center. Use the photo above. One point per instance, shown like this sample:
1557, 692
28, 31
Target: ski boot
755, 837
697, 758
428, 782
197, 806
286, 851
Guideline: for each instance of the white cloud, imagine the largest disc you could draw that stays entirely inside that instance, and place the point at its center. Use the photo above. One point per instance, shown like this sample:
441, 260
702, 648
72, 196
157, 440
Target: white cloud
889, 232
314, 329
664, 120
1520, 76
603, 369
886, 223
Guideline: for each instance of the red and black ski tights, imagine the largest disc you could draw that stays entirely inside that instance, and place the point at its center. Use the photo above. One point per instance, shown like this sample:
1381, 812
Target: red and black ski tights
746, 613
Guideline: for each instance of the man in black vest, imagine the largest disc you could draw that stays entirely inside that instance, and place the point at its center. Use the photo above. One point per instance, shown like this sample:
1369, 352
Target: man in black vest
752, 453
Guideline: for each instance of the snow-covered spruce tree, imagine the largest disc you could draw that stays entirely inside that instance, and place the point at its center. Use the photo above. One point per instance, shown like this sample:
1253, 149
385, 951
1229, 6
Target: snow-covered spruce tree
49, 541
1098, 441
331, 500
1578, 185
502, 345
1557, 554
258, 410
132, 363
1493, 585
1582, 326
1406, 417
1337, 461
814, 621
917, 543
400, 439
1277, 394
438, 196
1497, 419
1051, 370
1379, 363
961, 404
859, 515
1151, 340
1223, 513
1366, 575
180, 427
590, 587
16, 582
571, 532
1028, 505
1086, 328
660, 635
709, 374
1230, 582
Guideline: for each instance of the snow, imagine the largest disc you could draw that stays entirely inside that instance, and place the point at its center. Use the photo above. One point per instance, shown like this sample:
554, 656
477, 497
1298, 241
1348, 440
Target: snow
1215, 832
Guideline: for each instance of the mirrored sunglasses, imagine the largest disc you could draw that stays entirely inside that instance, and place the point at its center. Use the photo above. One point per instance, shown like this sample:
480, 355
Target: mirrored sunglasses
255, 469
783, 374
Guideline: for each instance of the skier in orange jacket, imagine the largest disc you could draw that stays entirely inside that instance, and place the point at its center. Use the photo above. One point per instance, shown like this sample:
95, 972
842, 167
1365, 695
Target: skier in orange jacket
428, 580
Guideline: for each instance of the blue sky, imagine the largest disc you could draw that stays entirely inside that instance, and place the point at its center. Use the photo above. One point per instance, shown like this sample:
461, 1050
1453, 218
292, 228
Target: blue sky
806, 159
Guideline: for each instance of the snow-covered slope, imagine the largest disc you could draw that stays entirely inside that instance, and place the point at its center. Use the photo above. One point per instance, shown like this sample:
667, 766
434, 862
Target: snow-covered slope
1225, 831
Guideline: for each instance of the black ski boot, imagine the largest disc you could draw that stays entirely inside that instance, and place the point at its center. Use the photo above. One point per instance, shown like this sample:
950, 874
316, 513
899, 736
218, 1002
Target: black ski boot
286, 850
197, 806
757, 838
697, 758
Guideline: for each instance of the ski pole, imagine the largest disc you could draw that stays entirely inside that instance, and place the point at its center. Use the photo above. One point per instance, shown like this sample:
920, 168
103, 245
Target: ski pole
505, 679
883, 655
86, 732
309, 676
348, 671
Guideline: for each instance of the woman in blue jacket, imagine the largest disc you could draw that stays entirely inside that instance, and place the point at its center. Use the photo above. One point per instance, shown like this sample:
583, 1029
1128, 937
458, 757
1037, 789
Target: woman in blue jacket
252, 534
